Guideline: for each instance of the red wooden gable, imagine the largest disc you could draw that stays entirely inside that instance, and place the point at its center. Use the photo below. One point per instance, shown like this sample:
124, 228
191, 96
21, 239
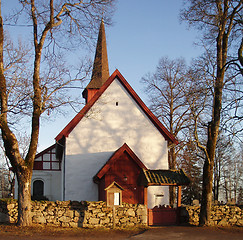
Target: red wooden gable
124, 168
124, 148
116, 75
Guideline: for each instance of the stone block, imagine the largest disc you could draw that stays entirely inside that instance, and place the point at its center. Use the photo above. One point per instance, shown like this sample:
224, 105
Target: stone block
233, 220
50, 219
60, 213
223, 223
144, 219
64, 219
74, 224
75, 219
39, 219
101, 214
11, 206
65, 224
37, 214
42, 208
239, 223
119, 213
134, 219
69, 213
50, 212
130, 224
130, 212
96, 211
141, 211
123, 220
94, 221
110, 214
12, 219
104, 221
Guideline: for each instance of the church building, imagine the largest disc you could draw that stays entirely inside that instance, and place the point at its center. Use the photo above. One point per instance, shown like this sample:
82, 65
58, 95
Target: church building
114, 149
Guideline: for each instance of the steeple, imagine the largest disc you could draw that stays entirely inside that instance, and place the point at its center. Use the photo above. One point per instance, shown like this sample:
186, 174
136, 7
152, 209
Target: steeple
100, 71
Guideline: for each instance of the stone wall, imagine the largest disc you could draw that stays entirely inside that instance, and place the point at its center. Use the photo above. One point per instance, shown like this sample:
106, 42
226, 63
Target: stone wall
77, 214
224, 215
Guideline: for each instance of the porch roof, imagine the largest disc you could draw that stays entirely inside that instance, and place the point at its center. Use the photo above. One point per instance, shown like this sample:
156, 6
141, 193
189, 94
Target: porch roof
165, 177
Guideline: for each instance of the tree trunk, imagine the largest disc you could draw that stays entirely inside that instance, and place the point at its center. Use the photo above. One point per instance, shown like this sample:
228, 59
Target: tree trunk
24, 199
172, 166
216, 180
208, 168
172, 190
206, 194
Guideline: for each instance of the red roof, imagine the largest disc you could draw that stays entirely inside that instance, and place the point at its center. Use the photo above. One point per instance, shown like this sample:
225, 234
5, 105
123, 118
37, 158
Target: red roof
116, 75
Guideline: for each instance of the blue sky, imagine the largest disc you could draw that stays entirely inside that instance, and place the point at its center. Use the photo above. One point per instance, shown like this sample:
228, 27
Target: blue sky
142, 32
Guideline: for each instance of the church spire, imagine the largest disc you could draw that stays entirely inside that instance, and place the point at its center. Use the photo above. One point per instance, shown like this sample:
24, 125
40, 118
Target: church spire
100, 71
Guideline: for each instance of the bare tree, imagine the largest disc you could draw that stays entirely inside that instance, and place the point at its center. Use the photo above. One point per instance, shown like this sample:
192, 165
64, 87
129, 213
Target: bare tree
51, 21
218, 21
190, 160
4, 183
225, 154
232, 176
7, 174
165, 89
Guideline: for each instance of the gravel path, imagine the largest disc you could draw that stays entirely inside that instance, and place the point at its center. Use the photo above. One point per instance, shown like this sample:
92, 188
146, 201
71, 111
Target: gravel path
154, 233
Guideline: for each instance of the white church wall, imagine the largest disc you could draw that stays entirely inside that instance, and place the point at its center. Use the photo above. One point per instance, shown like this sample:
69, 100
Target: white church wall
52, 183
158, 195
115, 119
79, 171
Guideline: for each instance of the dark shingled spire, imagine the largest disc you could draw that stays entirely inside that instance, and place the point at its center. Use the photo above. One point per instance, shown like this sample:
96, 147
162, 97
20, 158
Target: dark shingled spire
100, 71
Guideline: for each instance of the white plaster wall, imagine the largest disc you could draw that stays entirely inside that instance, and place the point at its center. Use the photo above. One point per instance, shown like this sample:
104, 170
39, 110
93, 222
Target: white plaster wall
158, 195
16, 189
52, 183
105, 129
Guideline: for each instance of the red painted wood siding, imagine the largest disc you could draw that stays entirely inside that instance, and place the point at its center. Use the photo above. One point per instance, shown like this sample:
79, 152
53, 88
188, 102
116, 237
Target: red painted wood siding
102, 193
125, 172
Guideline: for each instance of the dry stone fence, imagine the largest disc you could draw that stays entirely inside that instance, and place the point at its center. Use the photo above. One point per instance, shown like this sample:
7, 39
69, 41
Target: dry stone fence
78, 214
221, 215
98, 214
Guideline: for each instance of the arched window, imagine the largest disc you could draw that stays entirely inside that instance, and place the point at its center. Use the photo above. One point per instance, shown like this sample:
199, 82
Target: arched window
38, 188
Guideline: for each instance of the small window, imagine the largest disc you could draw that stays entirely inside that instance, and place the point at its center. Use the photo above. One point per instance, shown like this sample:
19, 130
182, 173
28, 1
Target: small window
116, 103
